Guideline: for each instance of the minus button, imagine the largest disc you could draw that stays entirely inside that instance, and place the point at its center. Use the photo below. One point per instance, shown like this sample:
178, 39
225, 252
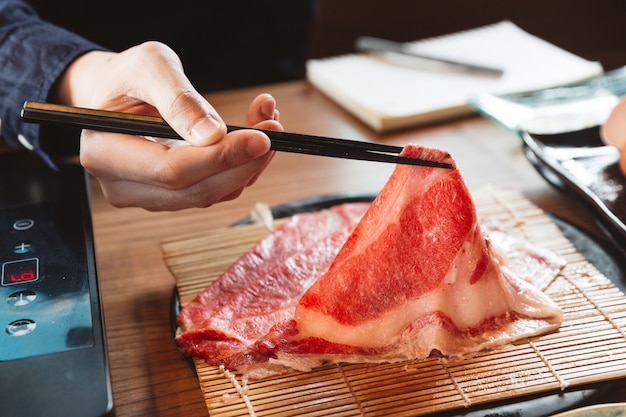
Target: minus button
23, 224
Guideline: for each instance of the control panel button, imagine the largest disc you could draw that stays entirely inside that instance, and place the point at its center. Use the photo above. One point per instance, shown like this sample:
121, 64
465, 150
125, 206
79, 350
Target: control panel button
21, 327
23, 224
21, 298
22, 248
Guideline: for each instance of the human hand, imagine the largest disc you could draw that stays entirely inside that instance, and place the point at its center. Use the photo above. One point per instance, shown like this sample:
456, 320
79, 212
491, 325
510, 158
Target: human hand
209, 167
613, 132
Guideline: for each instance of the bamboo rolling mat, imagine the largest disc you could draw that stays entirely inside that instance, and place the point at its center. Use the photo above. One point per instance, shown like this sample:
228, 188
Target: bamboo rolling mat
589, 347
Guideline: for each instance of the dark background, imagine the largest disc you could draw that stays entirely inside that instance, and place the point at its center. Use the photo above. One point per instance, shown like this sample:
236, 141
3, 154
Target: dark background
236, 43
595, 30
223, 44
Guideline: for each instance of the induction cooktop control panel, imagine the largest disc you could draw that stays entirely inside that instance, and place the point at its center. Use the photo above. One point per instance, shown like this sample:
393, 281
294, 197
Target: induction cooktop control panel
53, 359
44, 284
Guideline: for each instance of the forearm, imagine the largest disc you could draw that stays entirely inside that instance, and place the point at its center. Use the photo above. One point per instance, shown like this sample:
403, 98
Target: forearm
33, 56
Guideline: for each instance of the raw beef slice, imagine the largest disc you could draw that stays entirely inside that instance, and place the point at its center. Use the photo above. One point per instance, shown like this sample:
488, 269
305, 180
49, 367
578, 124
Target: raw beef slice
264, 285
415, 277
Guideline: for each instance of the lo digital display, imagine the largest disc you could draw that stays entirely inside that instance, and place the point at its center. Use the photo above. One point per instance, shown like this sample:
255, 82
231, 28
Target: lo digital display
17, 272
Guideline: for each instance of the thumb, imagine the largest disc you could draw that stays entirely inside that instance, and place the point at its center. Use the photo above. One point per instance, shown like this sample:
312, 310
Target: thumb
193, 117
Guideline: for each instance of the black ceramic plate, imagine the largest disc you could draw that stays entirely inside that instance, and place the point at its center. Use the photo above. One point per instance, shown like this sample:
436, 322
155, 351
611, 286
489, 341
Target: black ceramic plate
534, 406
579, 163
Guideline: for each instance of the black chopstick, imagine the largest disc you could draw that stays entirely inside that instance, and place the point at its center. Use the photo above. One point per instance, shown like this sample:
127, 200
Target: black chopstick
142, 125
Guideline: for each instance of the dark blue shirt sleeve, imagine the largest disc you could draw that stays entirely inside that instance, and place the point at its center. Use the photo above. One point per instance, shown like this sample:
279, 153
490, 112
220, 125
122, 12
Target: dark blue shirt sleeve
33, 54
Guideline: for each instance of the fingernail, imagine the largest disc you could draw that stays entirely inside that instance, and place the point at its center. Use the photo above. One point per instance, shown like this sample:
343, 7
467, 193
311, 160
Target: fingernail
268, 108
257, 147
205, 128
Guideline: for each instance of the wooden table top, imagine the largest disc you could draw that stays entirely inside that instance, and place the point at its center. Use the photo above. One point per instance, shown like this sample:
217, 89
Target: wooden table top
149, 375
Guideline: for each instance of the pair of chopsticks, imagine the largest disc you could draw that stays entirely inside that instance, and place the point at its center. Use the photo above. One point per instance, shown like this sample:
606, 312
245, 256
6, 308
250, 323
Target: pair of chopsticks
372, 44
141, 125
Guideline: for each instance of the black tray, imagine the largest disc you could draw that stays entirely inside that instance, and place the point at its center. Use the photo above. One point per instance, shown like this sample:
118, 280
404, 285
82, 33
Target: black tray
580, 164
612, 266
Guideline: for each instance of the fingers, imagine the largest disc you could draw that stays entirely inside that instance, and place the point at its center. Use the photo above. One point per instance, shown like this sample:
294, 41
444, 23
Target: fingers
147, 174
262, 108
134, 171
222, 187
613, 132
140, 160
